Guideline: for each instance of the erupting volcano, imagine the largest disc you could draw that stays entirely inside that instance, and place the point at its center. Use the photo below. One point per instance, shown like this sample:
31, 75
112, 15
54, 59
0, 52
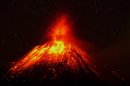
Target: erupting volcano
61, 48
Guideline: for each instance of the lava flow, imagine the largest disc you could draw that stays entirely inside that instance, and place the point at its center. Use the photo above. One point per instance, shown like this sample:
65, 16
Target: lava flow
60, 48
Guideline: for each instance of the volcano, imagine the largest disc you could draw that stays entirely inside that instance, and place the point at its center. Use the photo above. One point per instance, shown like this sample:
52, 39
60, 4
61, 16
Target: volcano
59, 57
59, 61
59, 49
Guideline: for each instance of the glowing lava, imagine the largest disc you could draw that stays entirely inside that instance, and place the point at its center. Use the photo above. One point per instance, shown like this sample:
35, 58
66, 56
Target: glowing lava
59, 49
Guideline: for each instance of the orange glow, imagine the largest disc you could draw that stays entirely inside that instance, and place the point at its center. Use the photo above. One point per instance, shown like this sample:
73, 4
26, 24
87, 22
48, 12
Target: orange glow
57, 48
60, 49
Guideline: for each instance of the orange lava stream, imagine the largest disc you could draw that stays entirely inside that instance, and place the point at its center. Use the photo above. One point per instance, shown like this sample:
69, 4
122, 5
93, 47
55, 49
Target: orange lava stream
60, 49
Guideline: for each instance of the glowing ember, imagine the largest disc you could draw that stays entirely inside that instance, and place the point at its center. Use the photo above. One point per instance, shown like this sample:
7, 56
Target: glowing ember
59, 49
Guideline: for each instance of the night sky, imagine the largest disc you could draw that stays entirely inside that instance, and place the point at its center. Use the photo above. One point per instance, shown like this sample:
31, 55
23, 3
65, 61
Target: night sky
103, 24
